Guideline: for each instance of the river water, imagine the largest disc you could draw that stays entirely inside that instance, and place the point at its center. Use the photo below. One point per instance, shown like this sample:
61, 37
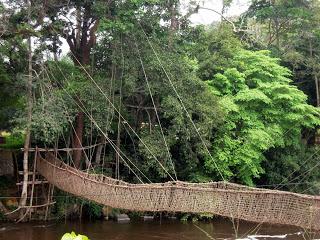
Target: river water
152, 230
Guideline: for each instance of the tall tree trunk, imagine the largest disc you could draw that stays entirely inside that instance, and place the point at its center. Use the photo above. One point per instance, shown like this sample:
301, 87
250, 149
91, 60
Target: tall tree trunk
81, 40
174, 22
317, 90
119, 125
24, 193
117, 170
82, 61
277, 26
316, 80
77, 139
99, 150
55, 49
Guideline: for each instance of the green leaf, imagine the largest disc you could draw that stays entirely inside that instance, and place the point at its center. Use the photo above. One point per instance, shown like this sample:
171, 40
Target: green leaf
67, 236
74, 236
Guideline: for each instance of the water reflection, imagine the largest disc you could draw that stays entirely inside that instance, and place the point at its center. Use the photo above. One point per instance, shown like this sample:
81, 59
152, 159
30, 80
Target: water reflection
153, 230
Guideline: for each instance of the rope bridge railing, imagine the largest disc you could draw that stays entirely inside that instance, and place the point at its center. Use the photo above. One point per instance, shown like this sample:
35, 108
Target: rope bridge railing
221, 198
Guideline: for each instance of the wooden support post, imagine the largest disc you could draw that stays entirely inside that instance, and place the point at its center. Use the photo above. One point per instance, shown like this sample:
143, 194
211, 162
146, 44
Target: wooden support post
50, 198
50, 191
33, 180
48, 201
55, 153
24, 192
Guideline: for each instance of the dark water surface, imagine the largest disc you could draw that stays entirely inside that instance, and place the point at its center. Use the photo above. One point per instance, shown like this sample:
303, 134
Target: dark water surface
152, 230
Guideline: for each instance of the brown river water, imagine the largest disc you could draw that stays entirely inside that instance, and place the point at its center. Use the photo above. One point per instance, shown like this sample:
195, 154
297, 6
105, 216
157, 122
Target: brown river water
152, 230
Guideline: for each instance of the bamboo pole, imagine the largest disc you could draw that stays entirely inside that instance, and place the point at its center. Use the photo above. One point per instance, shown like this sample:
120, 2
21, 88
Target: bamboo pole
24, 192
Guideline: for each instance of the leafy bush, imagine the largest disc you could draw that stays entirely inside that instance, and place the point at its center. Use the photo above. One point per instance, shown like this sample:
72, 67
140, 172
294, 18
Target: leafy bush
74, 236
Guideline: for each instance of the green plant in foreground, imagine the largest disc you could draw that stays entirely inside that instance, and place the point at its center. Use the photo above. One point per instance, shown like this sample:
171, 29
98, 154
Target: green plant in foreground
74, 236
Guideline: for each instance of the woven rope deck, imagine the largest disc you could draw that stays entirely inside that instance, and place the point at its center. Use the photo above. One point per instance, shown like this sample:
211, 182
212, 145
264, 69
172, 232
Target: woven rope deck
221, 198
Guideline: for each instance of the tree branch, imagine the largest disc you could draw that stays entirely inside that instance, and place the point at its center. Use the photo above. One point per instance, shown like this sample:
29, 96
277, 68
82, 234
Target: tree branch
226, 19
71, 40
92, 33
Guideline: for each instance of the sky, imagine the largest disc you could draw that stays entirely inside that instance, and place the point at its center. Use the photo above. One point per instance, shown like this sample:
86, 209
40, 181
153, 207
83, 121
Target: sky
207, 17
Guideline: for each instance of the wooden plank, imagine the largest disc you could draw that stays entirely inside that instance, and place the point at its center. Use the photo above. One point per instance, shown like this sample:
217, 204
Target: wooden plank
29, 173
30, 182
62, 149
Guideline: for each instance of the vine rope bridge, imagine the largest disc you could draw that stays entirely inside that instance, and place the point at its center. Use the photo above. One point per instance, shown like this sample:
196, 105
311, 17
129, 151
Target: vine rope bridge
221, 198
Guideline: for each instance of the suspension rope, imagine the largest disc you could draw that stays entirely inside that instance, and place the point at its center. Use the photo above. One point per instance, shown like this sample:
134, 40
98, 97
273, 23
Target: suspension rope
113, 106
68, 116
295, 178
108, 139
156, 111
181, 102
282, 183
183, 106
98, 127
306, 173
50, 92
107, 98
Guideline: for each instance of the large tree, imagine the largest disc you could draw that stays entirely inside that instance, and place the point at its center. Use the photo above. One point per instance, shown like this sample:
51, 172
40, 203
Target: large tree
290, 29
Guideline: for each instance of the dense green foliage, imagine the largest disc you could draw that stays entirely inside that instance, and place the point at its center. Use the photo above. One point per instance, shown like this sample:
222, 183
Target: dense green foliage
263, 111
290, 30
199, 102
